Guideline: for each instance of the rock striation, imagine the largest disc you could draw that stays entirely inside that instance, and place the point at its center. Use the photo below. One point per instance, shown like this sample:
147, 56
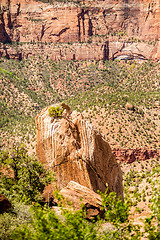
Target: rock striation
75, 151
82, 51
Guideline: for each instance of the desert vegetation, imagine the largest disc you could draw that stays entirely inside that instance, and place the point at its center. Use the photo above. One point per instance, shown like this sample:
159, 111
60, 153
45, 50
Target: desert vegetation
100, 90
55, 111
121, 99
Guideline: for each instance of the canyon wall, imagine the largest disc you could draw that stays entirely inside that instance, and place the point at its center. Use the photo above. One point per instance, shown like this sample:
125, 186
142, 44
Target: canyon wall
27, 20
120, 28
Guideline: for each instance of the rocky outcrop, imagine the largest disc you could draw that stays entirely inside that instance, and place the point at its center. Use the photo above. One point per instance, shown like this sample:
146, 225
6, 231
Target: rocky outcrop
79, 195
4, 204
125, 29
76, 151
132, 155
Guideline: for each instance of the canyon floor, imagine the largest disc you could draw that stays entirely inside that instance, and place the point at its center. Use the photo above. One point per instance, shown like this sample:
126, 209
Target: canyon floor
120, 98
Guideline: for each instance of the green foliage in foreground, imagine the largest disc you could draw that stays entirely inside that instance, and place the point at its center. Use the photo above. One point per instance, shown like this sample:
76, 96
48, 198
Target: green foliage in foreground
43, 223
46, 225
55, 111
73, 225
17, 216
26, 176
152, 223
36, 222
116, 210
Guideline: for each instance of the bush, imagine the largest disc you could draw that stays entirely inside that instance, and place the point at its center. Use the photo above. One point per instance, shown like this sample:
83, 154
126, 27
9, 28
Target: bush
152, 223
9, 221
116, 210
26, 178
73, 225
55, 111
47, 225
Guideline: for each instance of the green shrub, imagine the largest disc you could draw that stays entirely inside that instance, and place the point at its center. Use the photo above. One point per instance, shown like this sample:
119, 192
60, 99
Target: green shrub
29, 177
9, 221
74, 226
47, 225
152, 223
55, 111
115, 209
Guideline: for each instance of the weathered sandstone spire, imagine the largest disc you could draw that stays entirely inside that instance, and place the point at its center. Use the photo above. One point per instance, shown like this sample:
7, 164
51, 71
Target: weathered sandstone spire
76, 151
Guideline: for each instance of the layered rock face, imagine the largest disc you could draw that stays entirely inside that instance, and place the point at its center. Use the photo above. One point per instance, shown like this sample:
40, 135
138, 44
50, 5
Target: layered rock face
82, 51
75, 51
132, 155
120, 26
76, 151
28, 20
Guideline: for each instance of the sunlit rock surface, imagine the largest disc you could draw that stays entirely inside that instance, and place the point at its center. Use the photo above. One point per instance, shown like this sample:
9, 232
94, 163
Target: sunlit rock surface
74, 150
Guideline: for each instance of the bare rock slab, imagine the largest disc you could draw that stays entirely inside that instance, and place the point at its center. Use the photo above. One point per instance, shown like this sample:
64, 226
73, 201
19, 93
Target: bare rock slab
79, 195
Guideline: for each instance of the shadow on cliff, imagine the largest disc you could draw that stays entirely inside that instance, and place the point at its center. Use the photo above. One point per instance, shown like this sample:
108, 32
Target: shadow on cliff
4, 37
130, 15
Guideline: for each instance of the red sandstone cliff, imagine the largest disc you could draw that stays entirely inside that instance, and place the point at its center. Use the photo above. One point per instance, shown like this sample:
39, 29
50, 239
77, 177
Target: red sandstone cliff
132, 155
76, 151
28, 20
113, 24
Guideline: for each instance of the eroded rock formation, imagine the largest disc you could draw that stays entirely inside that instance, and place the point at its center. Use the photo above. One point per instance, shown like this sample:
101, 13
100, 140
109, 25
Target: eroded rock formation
82, 51
76, 151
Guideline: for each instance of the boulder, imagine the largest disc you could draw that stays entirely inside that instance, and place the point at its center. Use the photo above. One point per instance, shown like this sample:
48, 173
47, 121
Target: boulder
79, 195
76, 151
4, 204
129, 106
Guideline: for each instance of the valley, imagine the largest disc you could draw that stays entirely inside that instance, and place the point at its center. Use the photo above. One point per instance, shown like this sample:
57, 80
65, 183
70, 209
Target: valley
101, 60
